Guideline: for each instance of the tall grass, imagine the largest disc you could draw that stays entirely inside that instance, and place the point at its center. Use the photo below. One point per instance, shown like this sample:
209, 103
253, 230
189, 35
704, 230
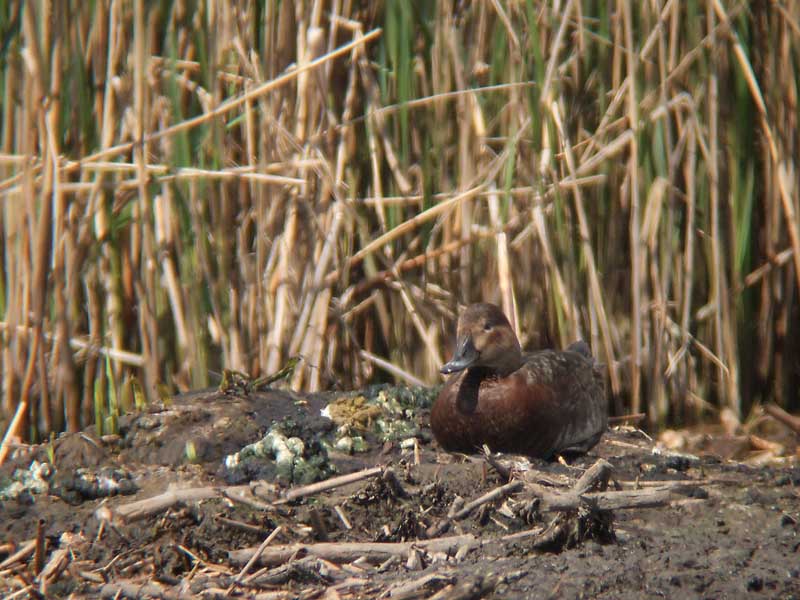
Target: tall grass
188, 187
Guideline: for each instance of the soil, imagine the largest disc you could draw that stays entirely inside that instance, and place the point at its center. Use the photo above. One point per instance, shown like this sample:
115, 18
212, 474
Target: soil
729, 528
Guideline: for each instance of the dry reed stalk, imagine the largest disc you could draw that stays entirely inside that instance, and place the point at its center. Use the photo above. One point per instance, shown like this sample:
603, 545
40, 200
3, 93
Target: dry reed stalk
555, 51
176, 302
515, 192
508, 300
635, 221
232, 174
44, 223
438, 98
726, 338
565, 297
66, 383
92, 290
598, 302
607, 151
15, 242
313, 341
657, 32
757, 274
654, 209
14, 429
689, 238
661, 189
164, 173
319, 331
396, 371
377, 183
786, 187
282, 280
12, 159
716, 266
98, 206
149, 284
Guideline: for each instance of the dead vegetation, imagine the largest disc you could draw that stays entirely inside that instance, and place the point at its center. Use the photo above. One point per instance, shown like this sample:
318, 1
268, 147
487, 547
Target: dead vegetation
411, 523
162, 510
399, 517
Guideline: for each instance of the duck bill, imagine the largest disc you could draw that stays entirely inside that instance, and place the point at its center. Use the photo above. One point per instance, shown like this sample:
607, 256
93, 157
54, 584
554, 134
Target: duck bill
466, 355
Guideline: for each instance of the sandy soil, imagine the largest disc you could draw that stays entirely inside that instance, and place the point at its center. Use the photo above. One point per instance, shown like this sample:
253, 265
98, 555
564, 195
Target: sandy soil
719, 529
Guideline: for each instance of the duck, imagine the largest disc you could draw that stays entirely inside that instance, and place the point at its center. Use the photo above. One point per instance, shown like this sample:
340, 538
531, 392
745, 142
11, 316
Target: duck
540, 404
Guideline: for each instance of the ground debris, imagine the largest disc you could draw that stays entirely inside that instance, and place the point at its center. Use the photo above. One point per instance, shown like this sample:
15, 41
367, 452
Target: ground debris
570, 529
460, 524
469, 588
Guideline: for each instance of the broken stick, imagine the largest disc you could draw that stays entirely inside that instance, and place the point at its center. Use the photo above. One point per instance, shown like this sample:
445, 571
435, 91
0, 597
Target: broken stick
237, 580
646, 498
150, 506
374, 552
329, 484
598, 473
776, 412
156, 504
635, 417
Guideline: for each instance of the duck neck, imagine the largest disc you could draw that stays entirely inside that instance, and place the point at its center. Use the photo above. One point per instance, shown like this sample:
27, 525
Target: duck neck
479, 373
469, 388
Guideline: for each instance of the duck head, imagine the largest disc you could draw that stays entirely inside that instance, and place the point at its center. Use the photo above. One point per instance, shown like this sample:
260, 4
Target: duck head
485, 339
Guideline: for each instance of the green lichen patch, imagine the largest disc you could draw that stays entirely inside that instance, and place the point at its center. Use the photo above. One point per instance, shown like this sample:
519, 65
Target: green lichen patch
381, 413
289, 454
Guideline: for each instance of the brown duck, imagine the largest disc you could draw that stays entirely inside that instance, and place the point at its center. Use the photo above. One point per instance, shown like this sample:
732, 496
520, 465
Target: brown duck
539, 404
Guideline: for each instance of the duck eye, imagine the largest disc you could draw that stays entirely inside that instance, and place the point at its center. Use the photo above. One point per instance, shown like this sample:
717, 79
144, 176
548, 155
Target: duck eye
487, 326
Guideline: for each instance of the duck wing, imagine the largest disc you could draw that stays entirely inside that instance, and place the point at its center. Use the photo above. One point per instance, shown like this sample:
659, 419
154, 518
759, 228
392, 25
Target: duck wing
577, 387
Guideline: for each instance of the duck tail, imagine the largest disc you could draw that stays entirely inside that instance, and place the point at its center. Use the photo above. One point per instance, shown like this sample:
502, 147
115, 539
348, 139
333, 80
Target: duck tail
580, 347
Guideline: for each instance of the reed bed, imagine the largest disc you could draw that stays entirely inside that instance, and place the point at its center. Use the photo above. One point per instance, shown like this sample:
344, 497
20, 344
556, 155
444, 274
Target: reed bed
194, 186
